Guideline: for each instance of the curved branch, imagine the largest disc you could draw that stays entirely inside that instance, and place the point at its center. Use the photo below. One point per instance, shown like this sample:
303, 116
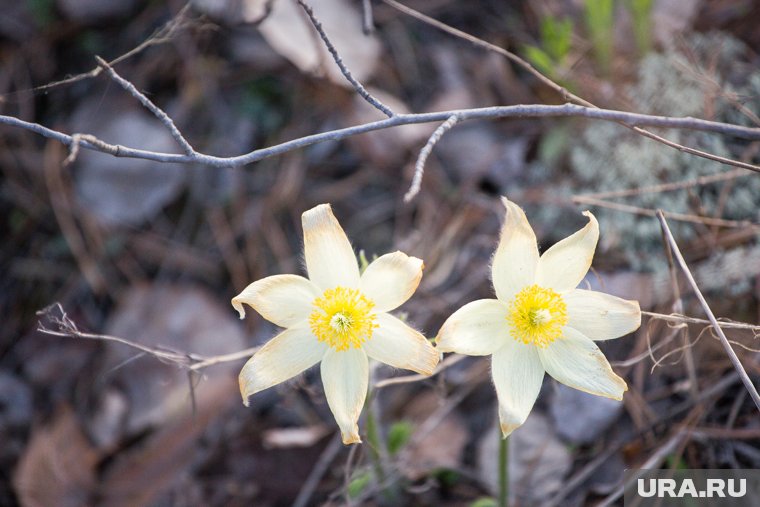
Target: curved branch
496, 112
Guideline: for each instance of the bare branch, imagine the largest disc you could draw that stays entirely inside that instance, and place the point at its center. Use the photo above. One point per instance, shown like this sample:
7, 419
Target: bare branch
65, 327
419, 167
150, 106
694, 151
339, 61
517, 111
716, 325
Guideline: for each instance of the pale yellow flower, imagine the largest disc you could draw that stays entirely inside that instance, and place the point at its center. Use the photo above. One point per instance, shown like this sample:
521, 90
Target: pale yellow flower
540, 322
337, 316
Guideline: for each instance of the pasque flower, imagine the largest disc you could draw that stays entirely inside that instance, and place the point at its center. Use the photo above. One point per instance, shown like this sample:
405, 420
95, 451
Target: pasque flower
540, 322
337, 316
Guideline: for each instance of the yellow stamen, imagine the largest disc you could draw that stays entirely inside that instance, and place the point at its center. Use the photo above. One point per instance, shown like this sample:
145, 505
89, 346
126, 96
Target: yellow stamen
537, 315
342, 318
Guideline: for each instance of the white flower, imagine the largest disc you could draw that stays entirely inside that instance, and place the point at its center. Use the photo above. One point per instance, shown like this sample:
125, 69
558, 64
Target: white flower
338, 317
540, 322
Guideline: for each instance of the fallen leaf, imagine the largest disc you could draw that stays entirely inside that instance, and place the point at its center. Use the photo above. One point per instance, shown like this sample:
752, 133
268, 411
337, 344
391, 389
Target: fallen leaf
441, 446
120, 191
58, 466
284, 438
169, 453
582, 418
288, 30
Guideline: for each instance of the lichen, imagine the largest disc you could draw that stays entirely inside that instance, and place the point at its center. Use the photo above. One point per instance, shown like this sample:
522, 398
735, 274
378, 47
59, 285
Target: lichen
706, 74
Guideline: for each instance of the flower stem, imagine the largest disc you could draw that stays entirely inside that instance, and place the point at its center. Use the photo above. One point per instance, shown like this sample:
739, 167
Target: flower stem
376, 447
374, 444
503, 471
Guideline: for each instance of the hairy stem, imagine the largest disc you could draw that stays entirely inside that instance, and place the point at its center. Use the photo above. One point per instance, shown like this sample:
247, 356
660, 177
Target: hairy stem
503, 471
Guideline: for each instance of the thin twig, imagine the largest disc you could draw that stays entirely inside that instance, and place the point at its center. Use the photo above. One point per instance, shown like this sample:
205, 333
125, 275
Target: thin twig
368, 23
561, 90
653, 461
684, 331
667, 187
343, 69
320, 468
66, 327
680, 217
347, 470
160, 36
419, 167
677, 318
449, 361
150, 106
711, 317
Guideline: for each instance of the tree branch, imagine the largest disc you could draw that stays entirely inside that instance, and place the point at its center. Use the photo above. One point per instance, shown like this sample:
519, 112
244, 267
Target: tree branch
64, 326
150, 106
485, 113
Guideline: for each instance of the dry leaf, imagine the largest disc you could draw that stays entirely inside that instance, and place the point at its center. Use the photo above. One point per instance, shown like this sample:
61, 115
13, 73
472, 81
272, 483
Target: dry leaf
119, 191
288, 30
442, 446
283, 438
164, 460
58, 466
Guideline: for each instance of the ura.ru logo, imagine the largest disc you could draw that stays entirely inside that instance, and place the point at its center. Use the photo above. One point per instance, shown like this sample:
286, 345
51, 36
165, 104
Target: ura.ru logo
714, 488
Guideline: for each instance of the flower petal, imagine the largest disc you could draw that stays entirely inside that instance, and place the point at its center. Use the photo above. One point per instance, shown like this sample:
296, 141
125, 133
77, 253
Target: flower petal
563, 266
398, 345
576, 361
517, 374
600, 316
330, 260
281, 299
391, 279
478, 328
283, 357
516, 258
345, 375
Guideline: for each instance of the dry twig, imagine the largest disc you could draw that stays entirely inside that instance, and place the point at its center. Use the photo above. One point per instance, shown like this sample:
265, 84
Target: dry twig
65, 327
419, 167
374, 101
484, 113
711, 317
164, 118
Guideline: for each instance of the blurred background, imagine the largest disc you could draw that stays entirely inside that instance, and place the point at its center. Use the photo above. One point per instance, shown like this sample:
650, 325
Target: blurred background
152, 253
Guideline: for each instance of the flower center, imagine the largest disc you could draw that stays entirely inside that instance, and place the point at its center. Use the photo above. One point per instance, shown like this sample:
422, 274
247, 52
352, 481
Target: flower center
537, 315
342, 318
